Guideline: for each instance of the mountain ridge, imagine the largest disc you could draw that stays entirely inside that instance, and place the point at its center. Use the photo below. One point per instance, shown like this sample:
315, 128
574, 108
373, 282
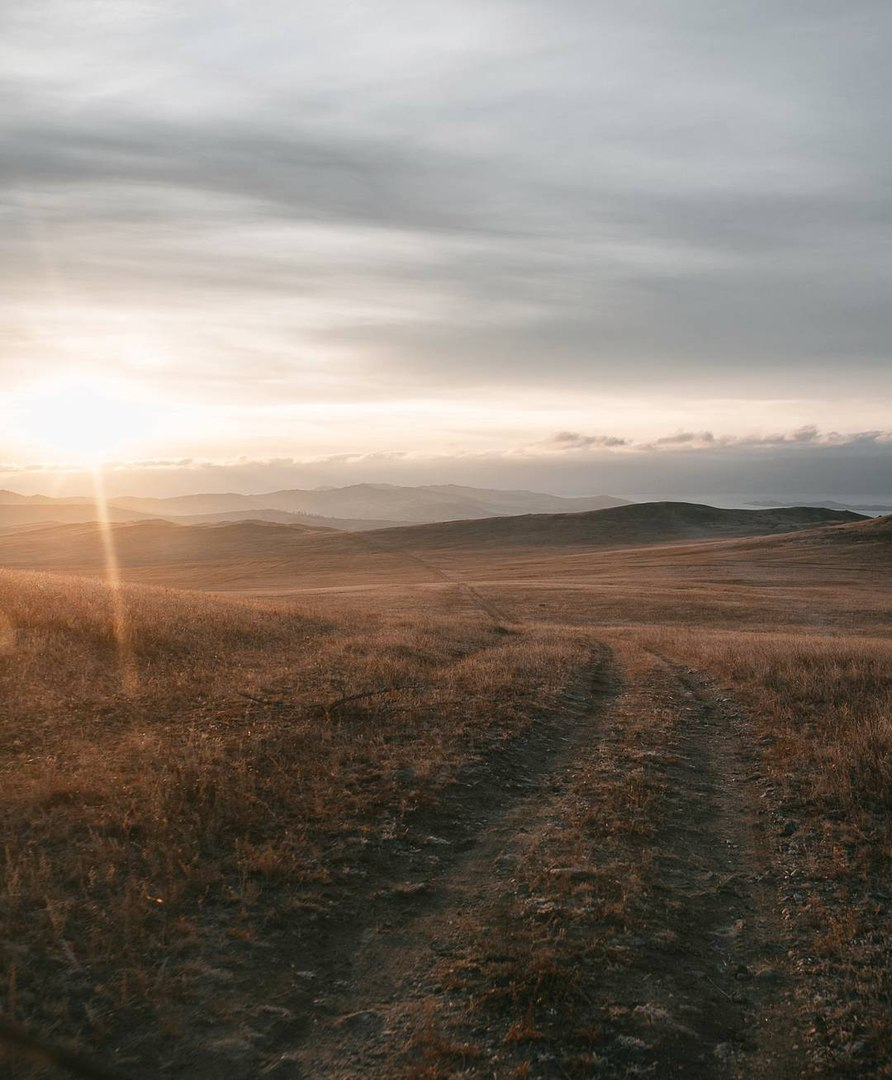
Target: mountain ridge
418, 504
355, 507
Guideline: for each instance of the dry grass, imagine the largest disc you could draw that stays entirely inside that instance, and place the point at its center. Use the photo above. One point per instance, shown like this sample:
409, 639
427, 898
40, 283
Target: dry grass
826, 701
822, 707
558, 967
796, 635
148, 830
139, 825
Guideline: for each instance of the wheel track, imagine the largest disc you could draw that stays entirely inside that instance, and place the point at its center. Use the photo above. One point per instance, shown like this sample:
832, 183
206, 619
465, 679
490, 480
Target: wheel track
719, 894
476, 597
385, 985
701, 991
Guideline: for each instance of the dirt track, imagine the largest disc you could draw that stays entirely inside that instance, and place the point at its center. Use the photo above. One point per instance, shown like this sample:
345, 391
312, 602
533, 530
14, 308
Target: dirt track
689, 979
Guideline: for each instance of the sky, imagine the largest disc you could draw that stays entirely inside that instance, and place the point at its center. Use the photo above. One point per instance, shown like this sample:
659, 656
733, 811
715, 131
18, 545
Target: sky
568, 244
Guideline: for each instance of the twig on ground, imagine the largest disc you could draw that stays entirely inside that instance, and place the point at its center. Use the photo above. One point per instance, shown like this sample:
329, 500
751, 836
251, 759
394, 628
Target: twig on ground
371, 693
260, 700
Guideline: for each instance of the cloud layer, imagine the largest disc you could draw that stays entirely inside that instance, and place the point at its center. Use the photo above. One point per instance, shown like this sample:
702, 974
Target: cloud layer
804, 463
288, 203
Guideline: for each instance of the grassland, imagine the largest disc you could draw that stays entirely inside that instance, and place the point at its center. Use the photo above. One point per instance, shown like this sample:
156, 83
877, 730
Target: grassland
141, 822
486, 787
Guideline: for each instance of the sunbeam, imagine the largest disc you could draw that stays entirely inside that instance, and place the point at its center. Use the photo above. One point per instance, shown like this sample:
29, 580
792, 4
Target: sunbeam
121, 627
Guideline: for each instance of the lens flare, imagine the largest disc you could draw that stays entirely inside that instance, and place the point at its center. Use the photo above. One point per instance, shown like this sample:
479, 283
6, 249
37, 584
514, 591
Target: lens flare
121, 625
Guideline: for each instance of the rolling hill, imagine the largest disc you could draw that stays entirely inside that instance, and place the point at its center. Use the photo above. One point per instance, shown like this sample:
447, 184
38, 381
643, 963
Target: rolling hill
631, 525
244, 555
284, 517
353, 509
257, 555
60, 512
374, 503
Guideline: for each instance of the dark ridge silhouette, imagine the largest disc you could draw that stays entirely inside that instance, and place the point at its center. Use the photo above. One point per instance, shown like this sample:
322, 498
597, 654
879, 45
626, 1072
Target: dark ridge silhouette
622, 526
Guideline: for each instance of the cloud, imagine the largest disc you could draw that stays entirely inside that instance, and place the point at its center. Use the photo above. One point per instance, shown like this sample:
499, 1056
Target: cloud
687, 438
807, 436
572, 440
569, 461
290, 202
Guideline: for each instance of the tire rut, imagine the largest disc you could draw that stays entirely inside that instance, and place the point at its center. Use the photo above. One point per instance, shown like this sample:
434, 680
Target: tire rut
718, 897
674, 952
383, 989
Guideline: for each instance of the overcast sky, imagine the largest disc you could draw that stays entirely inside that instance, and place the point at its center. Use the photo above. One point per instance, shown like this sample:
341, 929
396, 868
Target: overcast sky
577, 244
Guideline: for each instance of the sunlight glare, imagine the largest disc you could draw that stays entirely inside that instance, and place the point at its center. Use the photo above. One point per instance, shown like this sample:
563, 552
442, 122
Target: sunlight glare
86, 421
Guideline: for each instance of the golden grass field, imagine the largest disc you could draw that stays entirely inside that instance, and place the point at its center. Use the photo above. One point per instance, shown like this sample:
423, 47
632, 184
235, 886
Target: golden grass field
390, 805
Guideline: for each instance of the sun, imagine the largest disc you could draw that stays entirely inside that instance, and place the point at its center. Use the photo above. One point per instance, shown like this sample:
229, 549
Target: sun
86, 421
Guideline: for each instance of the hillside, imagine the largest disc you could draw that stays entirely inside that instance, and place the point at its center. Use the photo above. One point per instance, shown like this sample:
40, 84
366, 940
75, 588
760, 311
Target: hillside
263, 556
874, 531
390, 502
17, 514
356, 508
285, 517
245, 555
13, 498
634, 524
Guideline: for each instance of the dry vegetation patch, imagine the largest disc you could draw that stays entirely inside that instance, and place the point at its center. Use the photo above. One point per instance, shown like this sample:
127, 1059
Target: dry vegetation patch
822, 707
615, 942
159, 833
147, 827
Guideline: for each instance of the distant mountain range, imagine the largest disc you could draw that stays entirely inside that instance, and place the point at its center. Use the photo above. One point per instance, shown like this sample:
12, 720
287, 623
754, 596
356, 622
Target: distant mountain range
355, 508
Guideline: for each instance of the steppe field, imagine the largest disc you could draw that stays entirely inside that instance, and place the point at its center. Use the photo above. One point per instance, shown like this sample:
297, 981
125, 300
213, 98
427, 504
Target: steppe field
583, 795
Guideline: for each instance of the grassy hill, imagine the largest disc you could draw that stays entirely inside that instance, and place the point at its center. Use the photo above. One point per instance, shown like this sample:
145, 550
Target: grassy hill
256, 555
622, 526
370, 502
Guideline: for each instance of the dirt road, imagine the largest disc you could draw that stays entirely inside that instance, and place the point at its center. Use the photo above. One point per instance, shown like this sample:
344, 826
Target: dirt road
595, 900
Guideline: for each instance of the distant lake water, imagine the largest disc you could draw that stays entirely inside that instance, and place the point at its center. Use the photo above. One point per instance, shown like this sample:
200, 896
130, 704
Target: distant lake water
874, 505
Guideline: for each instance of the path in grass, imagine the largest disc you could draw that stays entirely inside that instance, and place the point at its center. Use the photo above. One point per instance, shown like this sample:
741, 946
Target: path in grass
380, 1010
613, 914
